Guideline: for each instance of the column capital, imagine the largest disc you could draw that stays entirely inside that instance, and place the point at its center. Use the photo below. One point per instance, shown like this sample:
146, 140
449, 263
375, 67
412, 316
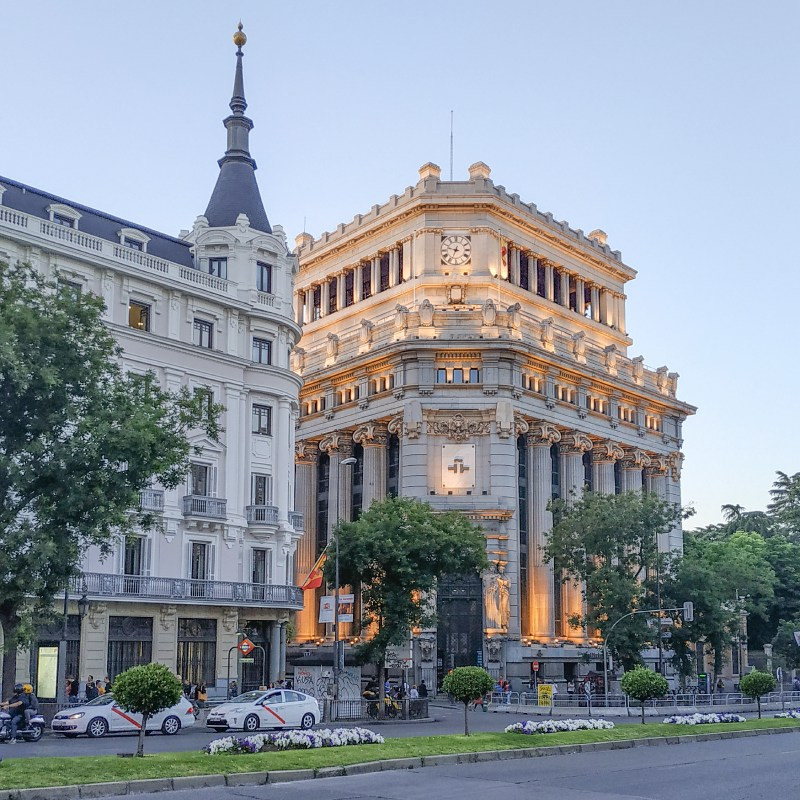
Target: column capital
306, 452
676, 463
542, 434
337, 442
658, 465
607, 451
576, 442
371, 434
635, 459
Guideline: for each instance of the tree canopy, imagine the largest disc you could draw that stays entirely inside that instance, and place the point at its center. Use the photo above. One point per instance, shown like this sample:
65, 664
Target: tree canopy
465, 684
643, 684
78, 441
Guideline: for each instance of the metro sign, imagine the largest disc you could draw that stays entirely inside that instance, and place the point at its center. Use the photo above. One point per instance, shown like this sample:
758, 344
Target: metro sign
246, 647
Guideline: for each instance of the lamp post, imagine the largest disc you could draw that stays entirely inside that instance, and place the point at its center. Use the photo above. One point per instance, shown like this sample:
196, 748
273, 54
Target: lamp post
338, 653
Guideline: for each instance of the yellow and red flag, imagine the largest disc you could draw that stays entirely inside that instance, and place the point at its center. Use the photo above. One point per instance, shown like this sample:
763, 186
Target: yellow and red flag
314, 579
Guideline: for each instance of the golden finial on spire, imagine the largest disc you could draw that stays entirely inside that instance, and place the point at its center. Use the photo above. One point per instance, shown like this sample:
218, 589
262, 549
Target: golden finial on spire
239, 39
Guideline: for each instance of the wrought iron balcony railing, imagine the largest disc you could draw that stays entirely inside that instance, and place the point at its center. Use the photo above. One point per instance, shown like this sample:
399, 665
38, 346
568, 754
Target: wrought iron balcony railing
266, 515
151, 500
197, 505
296, 519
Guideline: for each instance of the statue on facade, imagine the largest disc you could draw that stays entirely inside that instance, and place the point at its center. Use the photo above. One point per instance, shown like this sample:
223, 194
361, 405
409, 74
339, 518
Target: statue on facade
496, 600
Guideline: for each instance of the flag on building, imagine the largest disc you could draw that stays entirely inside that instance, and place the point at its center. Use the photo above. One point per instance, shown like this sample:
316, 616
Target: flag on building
314, 579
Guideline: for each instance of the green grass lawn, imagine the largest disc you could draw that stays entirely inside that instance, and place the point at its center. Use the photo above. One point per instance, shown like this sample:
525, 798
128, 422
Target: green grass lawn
18, 773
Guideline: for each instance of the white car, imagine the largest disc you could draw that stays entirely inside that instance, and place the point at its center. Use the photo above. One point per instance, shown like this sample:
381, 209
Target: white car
275, 708
102, 715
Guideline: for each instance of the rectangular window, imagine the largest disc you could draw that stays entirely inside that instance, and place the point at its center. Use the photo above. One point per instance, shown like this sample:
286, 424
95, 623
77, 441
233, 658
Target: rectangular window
197, 650
60, 219
199, 566
441, 376
384, 272
333, 299
199, 483
134, 555
72, 287
138, 316
366, 280
264, 277
203, 333
349, 280
541, 280
207, 397
262, 351
262, 420
400, 264
262, 567
557, 287
316, 302
134, 244
262, 490
130, 643
524, 271
474, 375
218, 267
458, 376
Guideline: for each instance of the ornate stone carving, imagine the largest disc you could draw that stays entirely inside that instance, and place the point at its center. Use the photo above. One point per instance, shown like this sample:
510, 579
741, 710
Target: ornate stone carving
458, 427
521, 426
546, 335
332, 348
97, 612
579, 347
658, 465
331, 443
372, 433
635, 459
230, 619
637, 370
676, 463
489, 312
496, 593
514, 315
662, 380
400, 318
167, 614
306, 452
494, 647
611, 355
399, 427
427, 647
577, 442
365, 332
607, 451
457, 294
672, 383
504, 418
543, 433
426, 312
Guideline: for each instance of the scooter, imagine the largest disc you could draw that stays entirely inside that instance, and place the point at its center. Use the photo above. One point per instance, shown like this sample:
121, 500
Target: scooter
32, 733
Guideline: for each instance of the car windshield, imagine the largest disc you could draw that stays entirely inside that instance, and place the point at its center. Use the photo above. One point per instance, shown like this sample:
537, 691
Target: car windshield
247, 697
102, 700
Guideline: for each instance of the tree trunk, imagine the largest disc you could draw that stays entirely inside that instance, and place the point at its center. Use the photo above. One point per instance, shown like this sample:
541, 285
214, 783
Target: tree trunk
381, 690
643, 712
10, 627
758, 701
142, 730
466, 720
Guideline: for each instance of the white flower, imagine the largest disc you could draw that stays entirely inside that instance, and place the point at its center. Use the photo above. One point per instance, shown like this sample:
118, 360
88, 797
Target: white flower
702, 719
559, 726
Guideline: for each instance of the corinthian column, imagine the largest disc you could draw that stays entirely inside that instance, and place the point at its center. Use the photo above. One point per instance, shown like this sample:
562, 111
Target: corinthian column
338, 446
656, 476
373, 437
604, 456
573, 447
541, 437
306, 458
633, 463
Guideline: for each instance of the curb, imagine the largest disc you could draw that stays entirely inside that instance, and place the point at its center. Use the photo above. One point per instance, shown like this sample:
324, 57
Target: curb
290, 775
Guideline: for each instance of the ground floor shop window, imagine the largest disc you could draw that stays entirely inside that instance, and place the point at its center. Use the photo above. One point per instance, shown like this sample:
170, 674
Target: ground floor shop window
197, 650
44, 655
130, 643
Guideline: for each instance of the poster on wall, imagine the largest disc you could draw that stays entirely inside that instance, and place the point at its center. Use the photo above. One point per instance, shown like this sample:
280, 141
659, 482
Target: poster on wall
346, 602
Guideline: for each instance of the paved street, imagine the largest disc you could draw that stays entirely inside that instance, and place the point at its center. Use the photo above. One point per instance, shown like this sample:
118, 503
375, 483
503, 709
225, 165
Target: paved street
757, 768
448, 720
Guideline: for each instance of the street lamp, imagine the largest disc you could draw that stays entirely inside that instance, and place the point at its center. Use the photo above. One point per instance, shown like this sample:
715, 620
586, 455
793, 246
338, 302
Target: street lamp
338, 659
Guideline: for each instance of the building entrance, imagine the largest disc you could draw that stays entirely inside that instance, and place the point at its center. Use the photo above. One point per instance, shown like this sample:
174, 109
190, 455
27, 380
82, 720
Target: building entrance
459, 610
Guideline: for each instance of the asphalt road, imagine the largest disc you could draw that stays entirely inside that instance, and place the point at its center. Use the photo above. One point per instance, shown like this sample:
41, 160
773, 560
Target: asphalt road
448, 720
755, 768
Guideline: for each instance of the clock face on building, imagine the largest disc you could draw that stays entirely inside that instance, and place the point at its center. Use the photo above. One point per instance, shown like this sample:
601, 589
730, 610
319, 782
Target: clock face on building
456, 250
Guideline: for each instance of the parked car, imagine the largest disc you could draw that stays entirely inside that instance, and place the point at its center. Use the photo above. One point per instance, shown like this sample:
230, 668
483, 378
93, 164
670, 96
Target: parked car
275, 708
102, 715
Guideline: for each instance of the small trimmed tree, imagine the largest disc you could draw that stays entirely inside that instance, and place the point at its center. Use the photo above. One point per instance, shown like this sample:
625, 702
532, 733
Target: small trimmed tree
643, 684
466, 684
755, 684
146, 690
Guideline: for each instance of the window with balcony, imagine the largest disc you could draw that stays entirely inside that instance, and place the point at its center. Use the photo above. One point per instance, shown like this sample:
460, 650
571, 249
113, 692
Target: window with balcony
200, 561
262, 351
264, 277
262, 420
218, 267
197, 650
138, 316
203, 333
200, 482
62, 219
262, 490
133, 244
261, 573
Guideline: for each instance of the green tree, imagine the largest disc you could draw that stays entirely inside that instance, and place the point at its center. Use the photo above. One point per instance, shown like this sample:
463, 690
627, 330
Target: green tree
609, 542
785, 505
643, 684
755, 684
396, 552
146, 690
78, 441
785, 645
465, 684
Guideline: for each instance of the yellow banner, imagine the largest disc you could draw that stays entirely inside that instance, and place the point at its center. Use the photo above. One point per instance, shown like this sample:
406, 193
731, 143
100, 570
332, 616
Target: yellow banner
545, 695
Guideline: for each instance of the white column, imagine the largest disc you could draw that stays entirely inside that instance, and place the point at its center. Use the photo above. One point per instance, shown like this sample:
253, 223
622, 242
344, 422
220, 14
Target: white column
656, 476
580, 297
565, 289
340, 291
376, 275
306, 458
373, 437
549, 292
309, 313
632, 465
393, 267
283, 435
514, 266
621, 314
407, 272
230, 471
325, 295
595, 303
604, 456
282, 658
357, 278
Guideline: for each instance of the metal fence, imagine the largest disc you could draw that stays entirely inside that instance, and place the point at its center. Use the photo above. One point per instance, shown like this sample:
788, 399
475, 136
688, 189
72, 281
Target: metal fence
346, 710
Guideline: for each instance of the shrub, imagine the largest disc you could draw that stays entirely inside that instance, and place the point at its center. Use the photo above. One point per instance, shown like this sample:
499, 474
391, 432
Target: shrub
466, 684
755, 684
643, 684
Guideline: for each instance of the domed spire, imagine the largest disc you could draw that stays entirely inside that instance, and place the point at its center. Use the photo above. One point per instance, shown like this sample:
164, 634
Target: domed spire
236, 191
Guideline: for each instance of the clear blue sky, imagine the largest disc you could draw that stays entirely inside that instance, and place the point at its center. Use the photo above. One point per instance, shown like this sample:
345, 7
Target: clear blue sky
673, 126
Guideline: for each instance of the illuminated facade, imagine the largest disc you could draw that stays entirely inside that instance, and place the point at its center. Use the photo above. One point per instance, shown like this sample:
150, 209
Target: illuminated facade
472, 351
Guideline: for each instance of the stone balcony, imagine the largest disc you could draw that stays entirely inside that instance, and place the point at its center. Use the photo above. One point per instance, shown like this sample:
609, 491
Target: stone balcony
296, 520
151, 500
106, 587
262, 515
195, 505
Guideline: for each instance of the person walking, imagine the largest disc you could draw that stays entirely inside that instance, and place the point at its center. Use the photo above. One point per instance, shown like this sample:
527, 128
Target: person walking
91, 689
423, 689
108, 685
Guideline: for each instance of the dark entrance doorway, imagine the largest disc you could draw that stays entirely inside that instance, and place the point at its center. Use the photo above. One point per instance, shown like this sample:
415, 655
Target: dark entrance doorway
459, 610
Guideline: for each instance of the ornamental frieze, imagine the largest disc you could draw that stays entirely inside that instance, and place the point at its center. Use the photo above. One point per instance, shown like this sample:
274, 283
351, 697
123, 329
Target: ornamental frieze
458, 427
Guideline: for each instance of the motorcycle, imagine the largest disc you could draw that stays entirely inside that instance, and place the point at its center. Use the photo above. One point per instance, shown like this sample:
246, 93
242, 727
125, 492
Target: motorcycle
32, 733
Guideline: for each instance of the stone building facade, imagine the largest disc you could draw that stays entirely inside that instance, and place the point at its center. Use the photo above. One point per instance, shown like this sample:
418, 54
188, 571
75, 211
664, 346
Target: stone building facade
211, 311
471, 351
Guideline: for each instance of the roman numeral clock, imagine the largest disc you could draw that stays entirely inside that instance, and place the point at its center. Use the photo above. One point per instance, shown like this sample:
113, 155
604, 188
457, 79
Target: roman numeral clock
456, 250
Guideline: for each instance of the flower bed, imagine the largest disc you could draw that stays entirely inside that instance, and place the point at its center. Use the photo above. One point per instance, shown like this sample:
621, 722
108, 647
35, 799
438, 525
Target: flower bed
792, 713
703, 719
291, 740
560, 726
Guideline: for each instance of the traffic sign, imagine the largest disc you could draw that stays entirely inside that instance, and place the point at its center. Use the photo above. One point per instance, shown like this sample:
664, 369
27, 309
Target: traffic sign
247, 661
535, 666
246, 647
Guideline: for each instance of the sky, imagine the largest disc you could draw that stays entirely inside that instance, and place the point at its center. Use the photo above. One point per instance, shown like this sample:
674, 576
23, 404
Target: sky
672, 126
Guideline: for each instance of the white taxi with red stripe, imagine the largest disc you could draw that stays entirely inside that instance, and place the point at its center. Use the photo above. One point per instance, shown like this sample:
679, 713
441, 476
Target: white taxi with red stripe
102, 715
275, 708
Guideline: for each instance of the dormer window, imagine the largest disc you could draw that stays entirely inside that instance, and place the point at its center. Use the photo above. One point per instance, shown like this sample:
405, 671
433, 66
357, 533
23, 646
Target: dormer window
61, 214
218, 267
133, 239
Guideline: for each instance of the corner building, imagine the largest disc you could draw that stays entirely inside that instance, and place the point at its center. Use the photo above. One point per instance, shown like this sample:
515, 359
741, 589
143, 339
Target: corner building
471, 351
211, 311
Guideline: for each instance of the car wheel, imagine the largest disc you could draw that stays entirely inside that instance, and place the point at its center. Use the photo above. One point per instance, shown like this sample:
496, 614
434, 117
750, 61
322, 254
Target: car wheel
35, 734
170, 726
251, 723
307, 721
96, 728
